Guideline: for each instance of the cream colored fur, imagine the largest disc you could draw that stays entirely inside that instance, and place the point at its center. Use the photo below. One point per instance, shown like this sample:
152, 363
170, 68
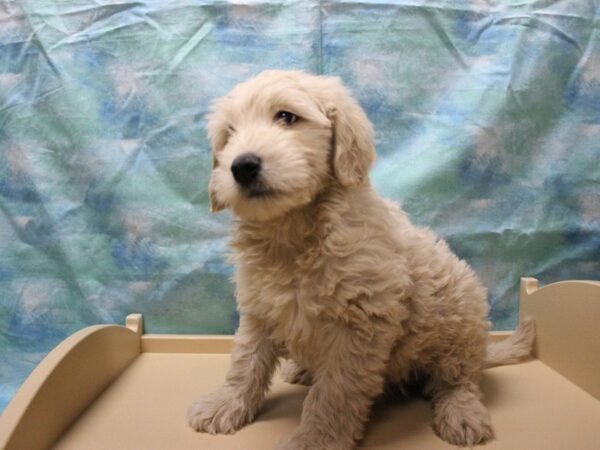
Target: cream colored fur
336, 279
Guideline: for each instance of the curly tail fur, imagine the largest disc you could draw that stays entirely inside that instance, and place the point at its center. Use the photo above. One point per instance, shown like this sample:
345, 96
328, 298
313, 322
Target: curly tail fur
513, 349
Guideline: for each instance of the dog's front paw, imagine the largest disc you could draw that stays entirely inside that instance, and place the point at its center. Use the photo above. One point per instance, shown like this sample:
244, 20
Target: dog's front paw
313, 440
297, 443
221, 412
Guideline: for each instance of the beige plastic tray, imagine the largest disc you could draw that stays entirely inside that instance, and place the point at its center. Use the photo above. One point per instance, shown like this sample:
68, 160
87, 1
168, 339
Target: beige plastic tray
111, 387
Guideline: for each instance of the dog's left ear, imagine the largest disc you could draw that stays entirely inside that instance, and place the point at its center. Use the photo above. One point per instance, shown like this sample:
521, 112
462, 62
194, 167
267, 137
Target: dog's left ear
218, 135
213, 204
354, 150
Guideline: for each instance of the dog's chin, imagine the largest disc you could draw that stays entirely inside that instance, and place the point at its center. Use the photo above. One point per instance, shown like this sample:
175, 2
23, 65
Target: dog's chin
266, 204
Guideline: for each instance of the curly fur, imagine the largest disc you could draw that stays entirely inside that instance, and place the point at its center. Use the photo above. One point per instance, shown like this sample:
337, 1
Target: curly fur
335, 278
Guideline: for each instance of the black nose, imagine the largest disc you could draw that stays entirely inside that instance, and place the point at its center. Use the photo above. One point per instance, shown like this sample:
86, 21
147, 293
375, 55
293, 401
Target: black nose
245, 168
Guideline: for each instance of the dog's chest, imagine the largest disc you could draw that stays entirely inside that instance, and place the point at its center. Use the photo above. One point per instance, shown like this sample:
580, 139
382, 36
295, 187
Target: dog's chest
286, 298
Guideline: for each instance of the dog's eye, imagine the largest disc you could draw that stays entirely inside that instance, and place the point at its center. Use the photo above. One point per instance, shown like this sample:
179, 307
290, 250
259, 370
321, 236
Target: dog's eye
230, 130
287, 117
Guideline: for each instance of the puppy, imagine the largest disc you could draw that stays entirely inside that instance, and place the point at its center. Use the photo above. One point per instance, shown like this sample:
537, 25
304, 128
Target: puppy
334, 278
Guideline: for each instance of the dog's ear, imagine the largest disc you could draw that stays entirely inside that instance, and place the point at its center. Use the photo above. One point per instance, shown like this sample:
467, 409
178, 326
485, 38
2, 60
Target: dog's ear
353, 147
218, 134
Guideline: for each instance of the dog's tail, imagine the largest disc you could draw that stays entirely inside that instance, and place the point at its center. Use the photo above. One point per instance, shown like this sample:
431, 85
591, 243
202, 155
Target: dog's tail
513, 349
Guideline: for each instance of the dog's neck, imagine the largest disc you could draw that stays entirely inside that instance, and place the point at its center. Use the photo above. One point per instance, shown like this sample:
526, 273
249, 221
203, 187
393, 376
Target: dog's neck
295, 230
289, 231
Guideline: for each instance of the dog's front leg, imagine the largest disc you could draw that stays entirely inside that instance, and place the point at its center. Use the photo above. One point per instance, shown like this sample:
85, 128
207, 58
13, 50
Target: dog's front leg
235, 404
348, 379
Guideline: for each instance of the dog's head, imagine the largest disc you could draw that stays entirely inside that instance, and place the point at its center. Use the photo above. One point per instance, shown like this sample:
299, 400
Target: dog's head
280, 138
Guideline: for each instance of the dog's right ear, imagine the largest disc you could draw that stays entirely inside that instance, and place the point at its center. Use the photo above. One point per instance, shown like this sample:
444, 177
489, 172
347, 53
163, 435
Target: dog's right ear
218, 133
354, 150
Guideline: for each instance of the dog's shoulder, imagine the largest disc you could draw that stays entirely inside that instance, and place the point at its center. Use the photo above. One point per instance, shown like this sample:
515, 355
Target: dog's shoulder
348, 266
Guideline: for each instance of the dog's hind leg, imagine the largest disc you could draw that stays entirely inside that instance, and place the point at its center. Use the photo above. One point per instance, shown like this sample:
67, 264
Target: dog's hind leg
291, 373
459, 416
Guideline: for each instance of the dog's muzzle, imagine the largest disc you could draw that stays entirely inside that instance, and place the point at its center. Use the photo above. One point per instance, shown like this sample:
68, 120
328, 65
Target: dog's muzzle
246, 168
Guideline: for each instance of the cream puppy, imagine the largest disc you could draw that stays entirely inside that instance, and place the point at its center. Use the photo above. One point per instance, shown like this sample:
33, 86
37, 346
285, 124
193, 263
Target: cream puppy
334, 278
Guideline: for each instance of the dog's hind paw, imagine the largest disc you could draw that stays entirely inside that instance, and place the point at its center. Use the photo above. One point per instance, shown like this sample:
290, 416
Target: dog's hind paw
462, 420
465, 433
291, 373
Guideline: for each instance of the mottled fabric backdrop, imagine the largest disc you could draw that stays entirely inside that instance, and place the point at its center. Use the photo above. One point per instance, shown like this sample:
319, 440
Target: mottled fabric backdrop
488, 131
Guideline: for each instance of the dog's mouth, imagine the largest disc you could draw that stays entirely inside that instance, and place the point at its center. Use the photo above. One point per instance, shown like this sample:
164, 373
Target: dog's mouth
260, 191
